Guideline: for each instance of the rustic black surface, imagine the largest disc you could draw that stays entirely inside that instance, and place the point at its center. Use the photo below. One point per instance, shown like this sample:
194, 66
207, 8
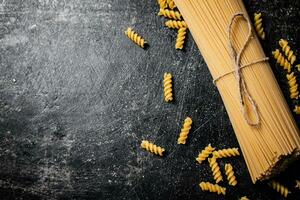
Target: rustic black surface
77, 97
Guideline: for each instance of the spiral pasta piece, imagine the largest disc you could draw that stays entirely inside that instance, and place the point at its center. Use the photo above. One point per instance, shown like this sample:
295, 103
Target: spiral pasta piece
187, 125
207, 186
205, 153
135, 37
279, 188
162, 3
215, 169
298, 67
171, 4
244, 198
292, 81
287, 50
168, 87
297, 110
223, 153
258, 25
230, 175
152, 148
297, 184
180, 38
283, 62
170, 14
176, 24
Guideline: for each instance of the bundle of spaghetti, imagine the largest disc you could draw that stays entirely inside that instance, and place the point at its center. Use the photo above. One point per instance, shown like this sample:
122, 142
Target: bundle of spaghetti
263, 124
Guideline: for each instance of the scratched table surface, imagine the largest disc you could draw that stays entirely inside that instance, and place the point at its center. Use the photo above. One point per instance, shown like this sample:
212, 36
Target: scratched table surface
77, 97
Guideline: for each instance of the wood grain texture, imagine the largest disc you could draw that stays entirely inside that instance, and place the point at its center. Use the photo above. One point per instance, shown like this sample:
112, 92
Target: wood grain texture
77, 97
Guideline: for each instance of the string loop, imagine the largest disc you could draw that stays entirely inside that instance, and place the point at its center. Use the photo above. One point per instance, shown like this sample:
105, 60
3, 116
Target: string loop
236, 57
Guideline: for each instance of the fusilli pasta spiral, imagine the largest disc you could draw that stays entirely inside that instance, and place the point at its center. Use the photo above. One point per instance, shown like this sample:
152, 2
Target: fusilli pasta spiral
176, 24
152, 148
287, 51
258, 25
230, 175
171, 4
292, 81
187, 125
223, 153
298, 67
206, 186
215, 169
244, 198
297, 184
135, 37
168, 87
170, 14
279, 188
297, 110
283, 62
180, 38
162, 3
205, 153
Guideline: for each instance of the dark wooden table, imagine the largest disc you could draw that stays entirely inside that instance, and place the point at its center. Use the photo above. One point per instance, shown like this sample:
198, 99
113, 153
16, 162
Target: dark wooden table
77, 97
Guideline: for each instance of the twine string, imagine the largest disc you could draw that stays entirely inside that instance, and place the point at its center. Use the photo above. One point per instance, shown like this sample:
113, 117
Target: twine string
241, 84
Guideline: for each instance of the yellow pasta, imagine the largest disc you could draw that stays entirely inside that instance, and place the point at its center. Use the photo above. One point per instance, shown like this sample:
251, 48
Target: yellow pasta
281, 60
297, 184
135, 37
258, 25
180, 38
187, 125
298, 67
244, 198
223, 153
279, 188
287, 50
271, 140
171, 4
170, 14
162, 3
168, 87
152, 148
175, 24
206, 186
205, 153
292, 81
215, 169
297, 110
230, 175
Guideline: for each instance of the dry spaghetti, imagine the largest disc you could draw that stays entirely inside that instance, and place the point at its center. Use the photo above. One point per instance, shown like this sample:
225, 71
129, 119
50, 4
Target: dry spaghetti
276, 138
